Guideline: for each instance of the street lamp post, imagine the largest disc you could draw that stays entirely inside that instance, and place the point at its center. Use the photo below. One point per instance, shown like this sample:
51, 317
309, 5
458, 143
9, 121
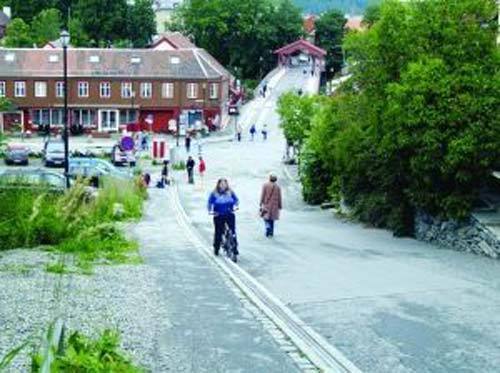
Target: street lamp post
132, 108
65, 42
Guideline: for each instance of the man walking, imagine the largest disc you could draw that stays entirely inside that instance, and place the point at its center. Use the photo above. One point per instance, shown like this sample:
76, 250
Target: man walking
253, 130
190, 169
264, 132
187, 143
270, 204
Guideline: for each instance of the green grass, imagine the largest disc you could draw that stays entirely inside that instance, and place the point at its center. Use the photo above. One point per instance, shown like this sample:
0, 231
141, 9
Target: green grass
57, 268
73, 222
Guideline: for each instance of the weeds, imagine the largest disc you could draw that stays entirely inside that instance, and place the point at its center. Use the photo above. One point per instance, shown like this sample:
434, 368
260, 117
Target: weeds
75, 222
79, 353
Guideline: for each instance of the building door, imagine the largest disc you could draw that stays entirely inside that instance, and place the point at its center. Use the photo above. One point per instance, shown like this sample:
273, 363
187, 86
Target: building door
108, 120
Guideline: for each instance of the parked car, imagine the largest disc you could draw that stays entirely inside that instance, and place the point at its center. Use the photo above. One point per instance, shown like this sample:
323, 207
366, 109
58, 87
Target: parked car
32, 178
17, 155
53, 154
94, 167
120, 157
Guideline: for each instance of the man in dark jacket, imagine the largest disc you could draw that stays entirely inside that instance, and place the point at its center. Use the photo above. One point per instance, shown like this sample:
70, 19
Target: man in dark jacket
190, 169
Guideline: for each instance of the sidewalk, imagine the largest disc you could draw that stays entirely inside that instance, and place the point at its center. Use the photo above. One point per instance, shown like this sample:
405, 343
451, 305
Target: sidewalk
209, 328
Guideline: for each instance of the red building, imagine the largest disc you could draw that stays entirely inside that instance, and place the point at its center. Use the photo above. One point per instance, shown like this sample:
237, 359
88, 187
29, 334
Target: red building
172, 83
302, 53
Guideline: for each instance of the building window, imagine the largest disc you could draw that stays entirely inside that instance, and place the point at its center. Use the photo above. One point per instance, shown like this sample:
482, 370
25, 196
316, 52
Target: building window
53, 117
146, 90
40, 89
108, 120
2, 89
214, 91
105, 89
20, 89
83, 117
126, 90
57, 117
192, 90
167, 90
83, 89
128, 116
59, 89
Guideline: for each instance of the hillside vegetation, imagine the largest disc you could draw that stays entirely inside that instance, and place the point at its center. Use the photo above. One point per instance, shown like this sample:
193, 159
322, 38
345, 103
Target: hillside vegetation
346, 6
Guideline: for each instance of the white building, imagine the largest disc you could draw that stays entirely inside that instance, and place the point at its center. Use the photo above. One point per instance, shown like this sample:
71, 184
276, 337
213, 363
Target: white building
163, 10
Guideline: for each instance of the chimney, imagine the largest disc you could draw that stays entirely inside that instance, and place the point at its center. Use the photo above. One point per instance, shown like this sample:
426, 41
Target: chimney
6, 10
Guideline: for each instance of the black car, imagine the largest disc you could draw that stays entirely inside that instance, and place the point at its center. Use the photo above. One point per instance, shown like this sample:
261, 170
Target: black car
17, 155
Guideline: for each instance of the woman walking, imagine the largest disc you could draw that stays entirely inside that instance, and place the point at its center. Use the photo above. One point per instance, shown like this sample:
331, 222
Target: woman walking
270, 204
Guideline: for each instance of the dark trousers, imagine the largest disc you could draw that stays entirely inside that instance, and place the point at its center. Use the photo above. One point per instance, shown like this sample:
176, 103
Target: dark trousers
269, 227
190, 175
220, 222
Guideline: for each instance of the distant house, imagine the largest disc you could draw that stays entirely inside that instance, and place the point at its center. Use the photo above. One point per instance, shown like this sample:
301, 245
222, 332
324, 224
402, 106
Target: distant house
4, 20
354, 23
163, 10
171, 82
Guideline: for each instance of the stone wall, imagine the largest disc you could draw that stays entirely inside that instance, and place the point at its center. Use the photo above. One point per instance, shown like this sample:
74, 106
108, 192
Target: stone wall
469, 236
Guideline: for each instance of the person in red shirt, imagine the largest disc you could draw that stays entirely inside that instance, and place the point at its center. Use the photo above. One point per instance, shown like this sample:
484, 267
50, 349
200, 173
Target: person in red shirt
202, 167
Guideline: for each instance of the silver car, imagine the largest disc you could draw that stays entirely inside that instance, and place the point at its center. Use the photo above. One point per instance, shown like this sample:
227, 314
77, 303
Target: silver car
53, 155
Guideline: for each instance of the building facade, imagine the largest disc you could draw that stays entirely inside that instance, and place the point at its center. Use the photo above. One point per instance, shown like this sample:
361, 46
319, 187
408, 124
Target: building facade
173, 83
163, 12
4, 20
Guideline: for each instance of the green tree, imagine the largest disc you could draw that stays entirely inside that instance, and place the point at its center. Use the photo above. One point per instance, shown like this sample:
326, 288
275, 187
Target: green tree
79, 37
372, 15
417, 127
28, 9
18, 34
330, 29
296, 113
142, 23
46, 26
103, 20
240, 34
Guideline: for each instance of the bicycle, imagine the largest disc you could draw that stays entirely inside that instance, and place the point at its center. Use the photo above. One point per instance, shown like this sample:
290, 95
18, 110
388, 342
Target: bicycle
228, 242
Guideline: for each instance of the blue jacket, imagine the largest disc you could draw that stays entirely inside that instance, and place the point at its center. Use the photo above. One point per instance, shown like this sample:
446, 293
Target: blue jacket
222, 204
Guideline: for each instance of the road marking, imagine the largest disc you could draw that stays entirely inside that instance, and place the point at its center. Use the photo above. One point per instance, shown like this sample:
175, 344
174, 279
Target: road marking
318, 351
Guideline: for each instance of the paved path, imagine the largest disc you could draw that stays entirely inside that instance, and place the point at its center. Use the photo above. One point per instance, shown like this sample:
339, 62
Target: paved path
207, 327
391, 305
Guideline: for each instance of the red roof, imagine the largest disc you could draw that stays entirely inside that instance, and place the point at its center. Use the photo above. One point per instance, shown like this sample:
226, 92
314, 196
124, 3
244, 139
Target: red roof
301, 45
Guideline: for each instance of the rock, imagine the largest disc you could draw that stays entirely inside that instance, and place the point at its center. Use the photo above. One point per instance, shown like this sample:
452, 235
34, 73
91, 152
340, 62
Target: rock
118, 210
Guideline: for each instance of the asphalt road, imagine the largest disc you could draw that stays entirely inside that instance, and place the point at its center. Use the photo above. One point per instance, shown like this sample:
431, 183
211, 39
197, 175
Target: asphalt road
391, 305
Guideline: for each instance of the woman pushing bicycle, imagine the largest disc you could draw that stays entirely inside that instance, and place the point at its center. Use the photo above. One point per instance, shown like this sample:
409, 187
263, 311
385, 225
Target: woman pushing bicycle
222, 203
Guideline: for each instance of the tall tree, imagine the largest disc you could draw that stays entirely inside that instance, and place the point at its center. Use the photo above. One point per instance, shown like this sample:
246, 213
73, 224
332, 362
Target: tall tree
142, 23
372, 15
79, 37
103, 20
28, 9
240, 34
330, 30
46, 26
18, 34
417, 127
